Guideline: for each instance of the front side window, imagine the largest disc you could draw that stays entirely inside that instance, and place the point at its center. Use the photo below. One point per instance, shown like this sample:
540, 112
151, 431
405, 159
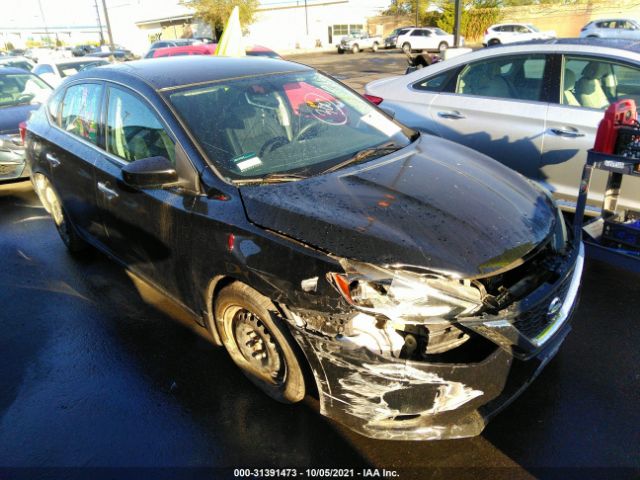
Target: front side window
81, 111
22, 89
302, 123
133, 129
518, 77
596, 83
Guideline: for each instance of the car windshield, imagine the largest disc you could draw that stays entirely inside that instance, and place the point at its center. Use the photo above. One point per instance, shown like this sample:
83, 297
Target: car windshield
284, 124
23, 64
22, 89
68, 69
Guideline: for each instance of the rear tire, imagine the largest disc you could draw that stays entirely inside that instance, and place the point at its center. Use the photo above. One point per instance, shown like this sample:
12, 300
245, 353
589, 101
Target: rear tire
374, 48
406, 48
52, 204
340, 51
259, 343
443, 46
493, 42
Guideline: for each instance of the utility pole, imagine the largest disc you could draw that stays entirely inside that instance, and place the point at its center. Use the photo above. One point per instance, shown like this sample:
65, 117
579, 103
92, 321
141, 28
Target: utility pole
306, 16
456, 25
44, 20
95, 3
417, 10
106, 19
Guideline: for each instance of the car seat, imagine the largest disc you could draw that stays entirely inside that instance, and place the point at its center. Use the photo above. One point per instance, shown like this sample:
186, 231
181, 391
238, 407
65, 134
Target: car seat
485, 80
589, 91
568, 95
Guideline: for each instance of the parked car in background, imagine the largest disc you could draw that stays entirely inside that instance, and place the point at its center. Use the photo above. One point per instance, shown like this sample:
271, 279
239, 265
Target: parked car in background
210, 49
118, 55
358, 41
504, 33
53, 72
82, 50
534, 107
21, 93
226, 182
429, 39
390, 40
624, 28
18, 62
178, 42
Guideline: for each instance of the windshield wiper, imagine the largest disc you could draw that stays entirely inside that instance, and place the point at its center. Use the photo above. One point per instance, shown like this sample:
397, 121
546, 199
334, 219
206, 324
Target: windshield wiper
272, 178
365, 154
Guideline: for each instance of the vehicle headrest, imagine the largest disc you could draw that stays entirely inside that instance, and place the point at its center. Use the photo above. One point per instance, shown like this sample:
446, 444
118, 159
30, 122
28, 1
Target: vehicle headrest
569, 79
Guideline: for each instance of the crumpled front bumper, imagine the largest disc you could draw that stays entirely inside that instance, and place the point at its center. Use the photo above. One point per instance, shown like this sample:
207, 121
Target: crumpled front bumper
389, 398
13, 165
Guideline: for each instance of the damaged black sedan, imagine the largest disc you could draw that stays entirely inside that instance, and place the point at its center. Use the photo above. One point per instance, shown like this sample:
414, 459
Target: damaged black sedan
417, 285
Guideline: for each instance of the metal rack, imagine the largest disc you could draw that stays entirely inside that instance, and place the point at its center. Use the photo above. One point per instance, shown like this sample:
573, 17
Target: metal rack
613, 236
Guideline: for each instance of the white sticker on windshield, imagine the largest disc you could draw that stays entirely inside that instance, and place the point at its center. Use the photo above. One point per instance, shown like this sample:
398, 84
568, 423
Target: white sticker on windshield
381, 123
250, 163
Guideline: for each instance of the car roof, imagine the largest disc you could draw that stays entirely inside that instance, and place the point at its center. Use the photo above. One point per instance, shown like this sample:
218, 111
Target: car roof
171, 72
617, 43
11, 58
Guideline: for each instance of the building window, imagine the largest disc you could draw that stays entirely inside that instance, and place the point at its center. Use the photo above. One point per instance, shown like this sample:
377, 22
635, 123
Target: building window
341, 29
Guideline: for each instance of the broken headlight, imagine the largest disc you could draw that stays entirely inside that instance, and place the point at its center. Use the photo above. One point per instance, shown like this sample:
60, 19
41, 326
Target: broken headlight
402, 294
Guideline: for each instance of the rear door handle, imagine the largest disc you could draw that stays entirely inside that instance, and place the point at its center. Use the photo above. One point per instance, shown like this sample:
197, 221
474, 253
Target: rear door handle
567, 132
52, 159
109, 193
453, 115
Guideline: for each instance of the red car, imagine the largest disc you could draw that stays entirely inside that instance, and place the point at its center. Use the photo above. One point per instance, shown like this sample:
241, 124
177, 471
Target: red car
210, 49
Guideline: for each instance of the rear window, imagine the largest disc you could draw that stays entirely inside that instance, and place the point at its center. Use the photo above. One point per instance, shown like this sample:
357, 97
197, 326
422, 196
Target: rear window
68, 69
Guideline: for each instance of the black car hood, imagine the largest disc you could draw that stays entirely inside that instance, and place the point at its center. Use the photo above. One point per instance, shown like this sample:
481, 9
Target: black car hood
435, 204
10, 117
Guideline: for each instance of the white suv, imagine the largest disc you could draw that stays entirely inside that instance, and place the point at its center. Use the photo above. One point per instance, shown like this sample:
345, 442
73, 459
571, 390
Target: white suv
430, 39
514, 32
612, 28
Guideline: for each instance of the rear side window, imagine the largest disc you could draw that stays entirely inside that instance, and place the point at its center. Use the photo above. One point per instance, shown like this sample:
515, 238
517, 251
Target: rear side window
53, 106
81, 111
40, 69
134, 131
434, 84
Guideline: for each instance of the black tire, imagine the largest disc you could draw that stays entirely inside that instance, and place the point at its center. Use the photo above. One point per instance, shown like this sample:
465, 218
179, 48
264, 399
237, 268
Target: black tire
52, 204
259, 343
443, 46
375, 46
355, 48
340, 51
493, 42
406, 47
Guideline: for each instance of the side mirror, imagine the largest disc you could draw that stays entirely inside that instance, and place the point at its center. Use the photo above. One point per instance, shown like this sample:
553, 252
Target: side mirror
149, 173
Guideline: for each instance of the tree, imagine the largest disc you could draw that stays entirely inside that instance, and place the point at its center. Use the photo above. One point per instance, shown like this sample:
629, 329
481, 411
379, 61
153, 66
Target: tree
216, 12
477, 16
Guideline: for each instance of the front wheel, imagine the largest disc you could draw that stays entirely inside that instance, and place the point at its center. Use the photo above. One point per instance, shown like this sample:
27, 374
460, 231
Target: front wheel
493, 42
355, 49
406, 48
340, 51
374, 48
443, 46
259, 343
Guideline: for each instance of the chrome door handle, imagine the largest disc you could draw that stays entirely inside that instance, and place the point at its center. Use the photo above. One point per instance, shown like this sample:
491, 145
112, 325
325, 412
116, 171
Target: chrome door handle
567, 132
52, 160
453, 115
108, 192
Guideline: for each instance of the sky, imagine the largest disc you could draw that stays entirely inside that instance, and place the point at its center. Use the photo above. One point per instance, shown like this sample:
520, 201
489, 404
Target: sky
83, 13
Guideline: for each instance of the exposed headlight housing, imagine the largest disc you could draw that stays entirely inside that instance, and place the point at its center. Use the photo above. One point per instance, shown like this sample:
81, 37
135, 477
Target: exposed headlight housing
402, 294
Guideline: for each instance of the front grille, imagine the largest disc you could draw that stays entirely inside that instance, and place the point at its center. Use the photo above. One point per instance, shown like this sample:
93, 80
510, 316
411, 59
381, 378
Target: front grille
535, 320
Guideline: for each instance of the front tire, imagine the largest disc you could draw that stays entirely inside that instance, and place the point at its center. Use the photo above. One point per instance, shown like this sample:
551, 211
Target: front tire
355, 49
493, 42
259, 343
374, 48
406, 48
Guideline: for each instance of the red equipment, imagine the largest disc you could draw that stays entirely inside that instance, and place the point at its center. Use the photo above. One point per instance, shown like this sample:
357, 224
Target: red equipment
620, 113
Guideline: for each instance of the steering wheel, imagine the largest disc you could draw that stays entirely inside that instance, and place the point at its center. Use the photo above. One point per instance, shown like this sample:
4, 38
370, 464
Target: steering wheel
307, 128
273, 144
26, 97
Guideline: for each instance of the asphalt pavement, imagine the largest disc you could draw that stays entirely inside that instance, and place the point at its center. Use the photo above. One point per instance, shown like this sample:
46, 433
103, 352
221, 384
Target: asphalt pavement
99, 383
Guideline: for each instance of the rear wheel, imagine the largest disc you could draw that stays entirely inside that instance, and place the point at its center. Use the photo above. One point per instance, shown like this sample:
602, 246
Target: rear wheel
52, 204
374, 48
259, 343
340, 51
406, 47
443, 46
494, 41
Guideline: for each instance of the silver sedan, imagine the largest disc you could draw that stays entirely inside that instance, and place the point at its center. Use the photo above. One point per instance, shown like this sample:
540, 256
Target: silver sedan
534, 107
